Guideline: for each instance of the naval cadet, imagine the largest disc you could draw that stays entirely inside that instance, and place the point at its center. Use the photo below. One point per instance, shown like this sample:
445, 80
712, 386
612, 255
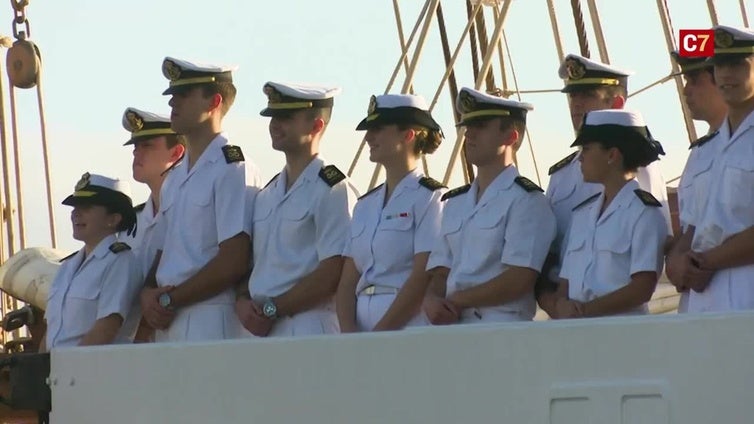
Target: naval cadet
395, 225
300, 222
495, 232
722, 249
156, 148
614, 249
704, 103
589, 85
205, 211
96, 287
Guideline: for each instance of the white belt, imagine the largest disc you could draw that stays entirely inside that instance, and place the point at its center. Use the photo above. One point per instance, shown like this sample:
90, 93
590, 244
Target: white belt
372, 290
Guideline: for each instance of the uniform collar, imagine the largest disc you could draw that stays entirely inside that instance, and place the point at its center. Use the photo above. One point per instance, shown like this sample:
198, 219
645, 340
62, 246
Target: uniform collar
103, 247
623, 198
502, 182
409, 182
211, 154
310, 173
745, 124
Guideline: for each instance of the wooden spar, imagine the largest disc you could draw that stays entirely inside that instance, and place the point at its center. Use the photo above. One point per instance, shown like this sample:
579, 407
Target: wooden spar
712, 12
17, 168
555, 31
404, 53
431, 12
669, 40
484, 45
46, 157
449, 64
496, 36
744, 15
8, 206
601, 45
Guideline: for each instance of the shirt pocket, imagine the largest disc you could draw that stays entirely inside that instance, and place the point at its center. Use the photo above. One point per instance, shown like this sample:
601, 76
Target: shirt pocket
395, 241
487, 230
450, 231
738, 189
296, 223
80, 305
200, 214
612, 262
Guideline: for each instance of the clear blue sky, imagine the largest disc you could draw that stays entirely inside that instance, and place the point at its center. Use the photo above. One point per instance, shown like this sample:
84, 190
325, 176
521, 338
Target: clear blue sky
102, 56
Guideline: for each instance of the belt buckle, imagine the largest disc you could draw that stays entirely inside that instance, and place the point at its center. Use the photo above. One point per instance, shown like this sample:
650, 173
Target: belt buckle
369, 291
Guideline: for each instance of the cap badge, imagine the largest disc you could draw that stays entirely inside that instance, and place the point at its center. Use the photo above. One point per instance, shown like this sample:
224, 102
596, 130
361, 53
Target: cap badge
134, 121
372, 105
171, 70
468, 102
273, 96
723, 39
83, 182
576, 69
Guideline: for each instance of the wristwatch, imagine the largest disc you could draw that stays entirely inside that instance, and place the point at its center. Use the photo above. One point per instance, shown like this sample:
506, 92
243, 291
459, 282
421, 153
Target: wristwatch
269, 309
165, 300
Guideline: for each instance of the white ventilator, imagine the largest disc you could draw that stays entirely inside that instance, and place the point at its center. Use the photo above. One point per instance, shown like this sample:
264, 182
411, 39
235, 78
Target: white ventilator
28, 274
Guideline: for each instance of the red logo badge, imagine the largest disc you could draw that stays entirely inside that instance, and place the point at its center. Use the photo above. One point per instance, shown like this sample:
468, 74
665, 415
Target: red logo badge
696, 42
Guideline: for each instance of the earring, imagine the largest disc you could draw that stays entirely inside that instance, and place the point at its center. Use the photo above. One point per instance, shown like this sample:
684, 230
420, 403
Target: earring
609, 162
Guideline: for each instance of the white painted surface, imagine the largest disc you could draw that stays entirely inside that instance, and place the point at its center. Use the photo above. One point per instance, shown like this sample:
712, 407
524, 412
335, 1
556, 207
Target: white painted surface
653, 369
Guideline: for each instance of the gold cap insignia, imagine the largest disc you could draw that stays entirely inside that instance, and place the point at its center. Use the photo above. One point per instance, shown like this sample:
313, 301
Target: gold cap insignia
171, 70
83, 182
576, 69
273, 96
723, 39
372, 105
468, 102
134, 121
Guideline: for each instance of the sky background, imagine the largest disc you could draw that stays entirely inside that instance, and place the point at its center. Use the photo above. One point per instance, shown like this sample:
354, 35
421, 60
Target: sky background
100, 57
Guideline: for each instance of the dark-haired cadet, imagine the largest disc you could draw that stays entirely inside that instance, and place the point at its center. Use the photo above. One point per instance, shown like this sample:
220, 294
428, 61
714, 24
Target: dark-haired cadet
496, 232
614, 252
395, 225
96, 287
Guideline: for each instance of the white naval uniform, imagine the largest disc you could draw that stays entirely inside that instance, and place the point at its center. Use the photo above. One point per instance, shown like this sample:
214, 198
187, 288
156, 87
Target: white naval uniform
384, 240
86, 290
508, 226
695, 183
294, 231
567, 189
723, 212
201, 207
604, 251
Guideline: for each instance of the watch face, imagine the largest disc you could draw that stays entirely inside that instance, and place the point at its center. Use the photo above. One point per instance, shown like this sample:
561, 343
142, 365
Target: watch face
164, 300
269, 309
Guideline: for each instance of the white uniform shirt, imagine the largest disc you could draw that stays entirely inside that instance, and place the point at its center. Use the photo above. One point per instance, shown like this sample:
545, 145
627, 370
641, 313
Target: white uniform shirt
295, 230
201, 207
86, 290
603, 252
725, 211
508, 226
144, 242
696, 179
567, 189
384, 240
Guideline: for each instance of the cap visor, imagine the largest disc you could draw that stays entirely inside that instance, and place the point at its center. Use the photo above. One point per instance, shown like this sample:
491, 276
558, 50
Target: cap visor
364, 125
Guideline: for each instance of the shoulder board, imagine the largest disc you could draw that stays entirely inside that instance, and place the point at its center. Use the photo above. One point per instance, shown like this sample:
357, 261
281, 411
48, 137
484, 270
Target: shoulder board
232, 154
69, 256
271, 181
331, 175
591, 199
431, 183
700, 141
456, 192
527, 184
371, 191
562, 163
647, 198
139, 208
119, 246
